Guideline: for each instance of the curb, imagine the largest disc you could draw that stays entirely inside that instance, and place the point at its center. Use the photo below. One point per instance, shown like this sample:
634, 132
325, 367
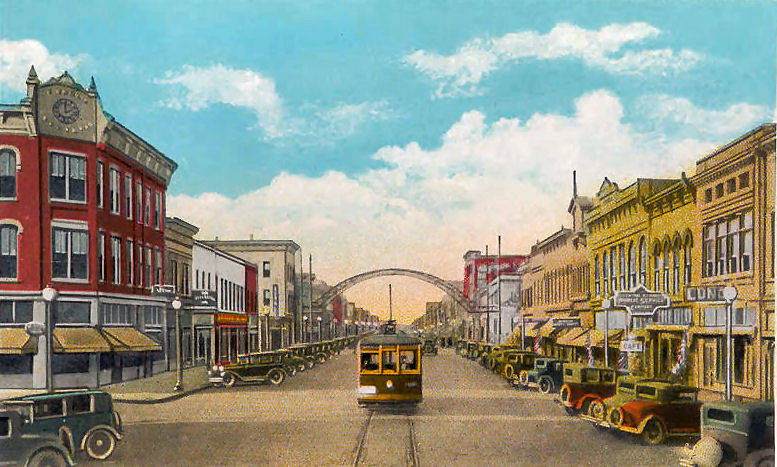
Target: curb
161, 400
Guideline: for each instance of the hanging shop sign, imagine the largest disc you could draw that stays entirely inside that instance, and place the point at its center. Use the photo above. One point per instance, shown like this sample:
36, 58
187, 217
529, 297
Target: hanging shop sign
566, 323
641, 301
631, 346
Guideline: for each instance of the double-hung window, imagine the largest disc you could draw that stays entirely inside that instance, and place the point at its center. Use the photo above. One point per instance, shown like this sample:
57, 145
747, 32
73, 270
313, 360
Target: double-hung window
116, 260
114, 190
147, 267
621, 268
604, 274
139, 202
141, 281
158, 266
147, 208
157, 210
7, 173
746, 241
101, 256
130, 264
597, 290
100, 183
642, 262
128, 195
9, 235
70, 253
687, 261
67, 177
657, 269
632, 266
676, 269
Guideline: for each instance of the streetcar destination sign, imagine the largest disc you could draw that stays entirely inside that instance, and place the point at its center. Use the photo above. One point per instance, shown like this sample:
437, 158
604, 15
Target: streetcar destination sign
641, 301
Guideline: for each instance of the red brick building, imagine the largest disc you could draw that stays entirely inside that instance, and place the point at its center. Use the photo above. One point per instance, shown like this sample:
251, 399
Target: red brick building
81, 210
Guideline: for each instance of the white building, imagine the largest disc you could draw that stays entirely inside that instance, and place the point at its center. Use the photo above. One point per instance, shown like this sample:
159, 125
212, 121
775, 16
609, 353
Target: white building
502, 317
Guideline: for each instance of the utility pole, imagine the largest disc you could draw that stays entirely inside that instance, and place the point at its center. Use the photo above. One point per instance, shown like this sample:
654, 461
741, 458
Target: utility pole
391, 311
488, 301
310, 292
499, 285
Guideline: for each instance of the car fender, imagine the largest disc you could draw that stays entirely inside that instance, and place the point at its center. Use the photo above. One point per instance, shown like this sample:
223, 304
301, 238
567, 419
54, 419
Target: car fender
65, 454
65, 431
108, 428
587, 398
645, 421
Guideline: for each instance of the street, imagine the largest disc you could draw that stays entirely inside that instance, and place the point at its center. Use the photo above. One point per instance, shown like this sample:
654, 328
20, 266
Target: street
469, 416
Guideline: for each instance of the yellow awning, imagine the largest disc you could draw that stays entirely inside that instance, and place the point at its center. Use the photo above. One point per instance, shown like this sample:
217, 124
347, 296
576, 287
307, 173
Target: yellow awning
129, 339
16, 341
79, 340
597, 338
719, 331
570, 336
547, 329
530, 332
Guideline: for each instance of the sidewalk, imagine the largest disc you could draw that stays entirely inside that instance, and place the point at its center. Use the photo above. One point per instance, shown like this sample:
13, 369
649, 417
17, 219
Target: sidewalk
153, 390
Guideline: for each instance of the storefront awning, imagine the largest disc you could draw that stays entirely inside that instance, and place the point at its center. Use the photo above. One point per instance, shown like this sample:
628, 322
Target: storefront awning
129, 339
79, 340
597, 338
16, 341
547, 329
720, 331
570, 336
531, 331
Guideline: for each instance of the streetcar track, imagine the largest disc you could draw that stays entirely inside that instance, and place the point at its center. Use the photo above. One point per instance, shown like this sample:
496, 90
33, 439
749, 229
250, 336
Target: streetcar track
361, 437
413, 454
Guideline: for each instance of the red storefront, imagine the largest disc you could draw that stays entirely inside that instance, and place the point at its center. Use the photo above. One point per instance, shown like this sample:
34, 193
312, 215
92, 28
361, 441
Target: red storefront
479, 269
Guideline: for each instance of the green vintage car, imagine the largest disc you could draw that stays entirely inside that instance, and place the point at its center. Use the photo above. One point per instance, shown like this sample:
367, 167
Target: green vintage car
319, 352
85, 416
733, 433
461, 347
292, 362
484, 350
251, 368
17, 448
625, 390
304, 352
547, 375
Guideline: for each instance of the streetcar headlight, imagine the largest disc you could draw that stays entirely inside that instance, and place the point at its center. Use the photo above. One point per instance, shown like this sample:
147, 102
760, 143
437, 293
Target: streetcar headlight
389, 384
367, 390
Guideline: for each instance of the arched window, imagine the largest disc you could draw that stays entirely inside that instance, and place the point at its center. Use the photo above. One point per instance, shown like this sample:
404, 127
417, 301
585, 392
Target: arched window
676, 267
632, 266
597, 289
687, 259
642, 262
657, 268
604, 274
621, 268
9, 235
7, 173
667, 270
613, 272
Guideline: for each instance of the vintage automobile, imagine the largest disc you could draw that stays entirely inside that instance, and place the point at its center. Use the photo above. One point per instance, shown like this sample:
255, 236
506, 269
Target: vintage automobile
251, 368
85, 416
546, 375
18, 448
625, 390
461, 347
733, 433
512, 361
304, 352
661, 409
484, 351
585, 384
291, 362
472, 350
429, 346
319, 351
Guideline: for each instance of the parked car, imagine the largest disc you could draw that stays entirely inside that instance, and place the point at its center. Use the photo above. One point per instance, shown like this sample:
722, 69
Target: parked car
661, 409
584, 384
251, 368
429, 346
513, 362
484, 351
625, 390
546, 375
472, 350
85, 416
18, 448
461, 347
291, 362
304, 352
733, 433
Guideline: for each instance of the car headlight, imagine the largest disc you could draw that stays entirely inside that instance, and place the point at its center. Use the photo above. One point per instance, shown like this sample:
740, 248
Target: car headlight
707, 452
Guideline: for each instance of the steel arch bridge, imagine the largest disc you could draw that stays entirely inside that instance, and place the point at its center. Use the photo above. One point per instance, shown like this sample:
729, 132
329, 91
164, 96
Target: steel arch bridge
453, 292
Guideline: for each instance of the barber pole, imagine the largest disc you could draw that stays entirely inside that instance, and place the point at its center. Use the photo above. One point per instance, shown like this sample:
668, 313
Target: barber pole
537, 344
682, 357
589, 349
623, 361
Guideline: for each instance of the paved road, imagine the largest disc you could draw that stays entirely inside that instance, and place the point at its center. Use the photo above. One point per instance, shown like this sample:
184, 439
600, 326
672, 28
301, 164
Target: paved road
468, 417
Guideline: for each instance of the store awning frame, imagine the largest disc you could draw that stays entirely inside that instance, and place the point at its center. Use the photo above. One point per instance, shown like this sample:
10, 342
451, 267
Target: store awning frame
79, 340
567, 338
16, 341
129, 339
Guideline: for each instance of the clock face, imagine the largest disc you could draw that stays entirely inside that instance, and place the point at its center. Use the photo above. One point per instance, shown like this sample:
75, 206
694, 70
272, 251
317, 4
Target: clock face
65, 110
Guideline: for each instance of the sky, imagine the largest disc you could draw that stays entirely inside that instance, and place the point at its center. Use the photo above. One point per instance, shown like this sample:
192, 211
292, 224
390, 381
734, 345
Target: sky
402, 134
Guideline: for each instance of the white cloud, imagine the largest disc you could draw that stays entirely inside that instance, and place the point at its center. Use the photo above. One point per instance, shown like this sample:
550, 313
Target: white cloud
200, 87
461, 72
426, 206
16, 57
680, 114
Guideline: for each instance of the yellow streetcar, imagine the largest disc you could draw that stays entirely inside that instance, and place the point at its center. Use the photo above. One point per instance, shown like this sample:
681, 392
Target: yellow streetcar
390, 368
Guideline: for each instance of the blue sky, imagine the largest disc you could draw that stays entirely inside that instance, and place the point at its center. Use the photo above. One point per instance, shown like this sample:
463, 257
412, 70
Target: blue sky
325, 122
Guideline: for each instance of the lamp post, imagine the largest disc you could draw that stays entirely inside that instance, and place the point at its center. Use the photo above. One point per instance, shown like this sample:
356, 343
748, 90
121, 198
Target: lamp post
729, 294
308, 338
606, 306
318, 318
176, 304
49, 295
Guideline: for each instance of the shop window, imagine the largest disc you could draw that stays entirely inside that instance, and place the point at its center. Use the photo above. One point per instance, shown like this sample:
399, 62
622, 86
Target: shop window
7, 173
131, 359
15, 364
731, 185
117, 314
9, 260
71, 312
107, 360
65, 363
16, 311
152, 316
70, 253
744, 180
67, 177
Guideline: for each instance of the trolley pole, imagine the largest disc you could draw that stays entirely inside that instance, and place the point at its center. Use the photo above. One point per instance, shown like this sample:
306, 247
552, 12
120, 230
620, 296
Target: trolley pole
391, 311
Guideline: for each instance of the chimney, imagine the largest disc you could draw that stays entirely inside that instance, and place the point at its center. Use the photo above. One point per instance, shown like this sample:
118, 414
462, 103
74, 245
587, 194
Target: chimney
251, 237
216, 238
574, 184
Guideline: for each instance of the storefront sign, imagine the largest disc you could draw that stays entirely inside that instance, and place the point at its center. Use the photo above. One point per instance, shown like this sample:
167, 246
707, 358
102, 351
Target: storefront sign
566, 323
641, 301
709, 293
167, 291
231, 318
204, 298
631, 346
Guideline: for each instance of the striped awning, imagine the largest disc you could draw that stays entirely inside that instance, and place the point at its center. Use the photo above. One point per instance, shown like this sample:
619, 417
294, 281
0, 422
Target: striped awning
16, 341
129, 339
79, 340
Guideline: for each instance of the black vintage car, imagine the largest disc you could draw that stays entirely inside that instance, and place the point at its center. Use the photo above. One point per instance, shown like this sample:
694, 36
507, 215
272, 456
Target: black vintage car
547, 375
44, 449
251, 368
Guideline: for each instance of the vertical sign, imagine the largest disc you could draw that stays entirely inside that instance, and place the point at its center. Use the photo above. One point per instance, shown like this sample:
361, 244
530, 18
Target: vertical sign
276, 305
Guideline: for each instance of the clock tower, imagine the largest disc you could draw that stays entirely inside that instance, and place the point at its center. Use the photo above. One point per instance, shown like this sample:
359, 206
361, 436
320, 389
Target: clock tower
65, 109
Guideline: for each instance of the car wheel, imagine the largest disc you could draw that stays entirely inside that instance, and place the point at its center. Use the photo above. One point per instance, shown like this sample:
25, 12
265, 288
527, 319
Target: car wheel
585, 407
275, 376
301, 367
546, 385
654, 432
47, 458
523, 377
229, 380
509, 371
321, 358
564, 393
100, 444
310, 363
762, 458
596, 410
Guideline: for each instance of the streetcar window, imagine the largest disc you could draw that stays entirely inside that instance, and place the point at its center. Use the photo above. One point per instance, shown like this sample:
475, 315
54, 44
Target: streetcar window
370, 361
408, 360
389, 360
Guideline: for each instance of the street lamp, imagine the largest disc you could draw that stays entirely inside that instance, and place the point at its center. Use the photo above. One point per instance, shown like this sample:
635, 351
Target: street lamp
606, 306
729, 294
308, 334
49, 295
176, 304
318, 318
